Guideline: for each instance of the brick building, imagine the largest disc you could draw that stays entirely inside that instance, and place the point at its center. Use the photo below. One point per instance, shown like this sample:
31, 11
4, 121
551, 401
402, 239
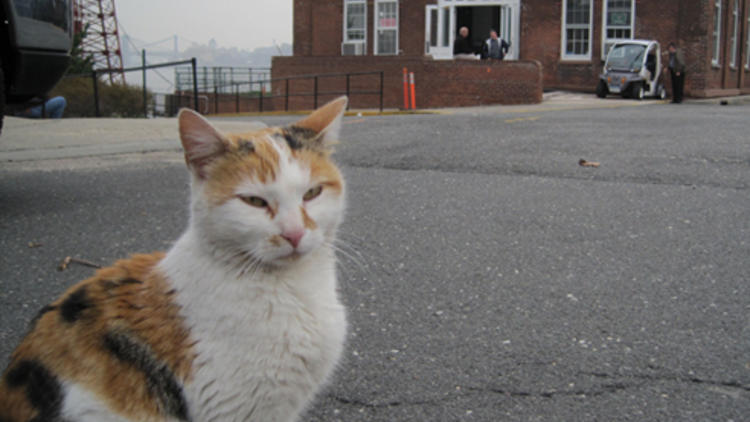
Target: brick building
554, 44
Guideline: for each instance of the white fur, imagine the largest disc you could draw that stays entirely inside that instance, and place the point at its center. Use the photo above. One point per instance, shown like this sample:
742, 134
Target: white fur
268, 335
265, 317
81, 405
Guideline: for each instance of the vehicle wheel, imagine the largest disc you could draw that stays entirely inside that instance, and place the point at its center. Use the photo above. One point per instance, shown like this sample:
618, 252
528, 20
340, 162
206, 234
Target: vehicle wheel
661, 92
2, 96
601, 89
638, 92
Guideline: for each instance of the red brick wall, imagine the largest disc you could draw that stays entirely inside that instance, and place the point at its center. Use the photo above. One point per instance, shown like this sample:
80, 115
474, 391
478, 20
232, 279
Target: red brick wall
318, 32
411, 25
446, 83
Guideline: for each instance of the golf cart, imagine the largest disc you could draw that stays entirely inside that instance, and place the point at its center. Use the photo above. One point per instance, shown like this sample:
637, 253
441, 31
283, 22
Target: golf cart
633, 68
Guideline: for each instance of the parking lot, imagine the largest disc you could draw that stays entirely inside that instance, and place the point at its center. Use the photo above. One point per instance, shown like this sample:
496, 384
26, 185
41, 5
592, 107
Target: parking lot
488, 276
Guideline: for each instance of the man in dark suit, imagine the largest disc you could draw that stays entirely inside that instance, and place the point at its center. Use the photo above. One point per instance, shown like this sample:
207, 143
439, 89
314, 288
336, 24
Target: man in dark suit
676, 65
462, 48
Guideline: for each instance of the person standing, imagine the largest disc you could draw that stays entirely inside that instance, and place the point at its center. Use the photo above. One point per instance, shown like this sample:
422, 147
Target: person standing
494, 48
462, 48
676, 65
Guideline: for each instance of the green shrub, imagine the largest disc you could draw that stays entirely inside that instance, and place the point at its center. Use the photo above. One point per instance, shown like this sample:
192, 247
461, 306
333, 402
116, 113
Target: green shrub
115, 100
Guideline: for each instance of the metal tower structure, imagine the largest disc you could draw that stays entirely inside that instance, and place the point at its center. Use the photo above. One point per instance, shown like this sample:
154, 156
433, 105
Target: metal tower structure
102, 39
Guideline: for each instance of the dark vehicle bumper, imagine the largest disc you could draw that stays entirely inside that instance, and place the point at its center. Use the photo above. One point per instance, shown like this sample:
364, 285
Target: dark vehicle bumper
35, 72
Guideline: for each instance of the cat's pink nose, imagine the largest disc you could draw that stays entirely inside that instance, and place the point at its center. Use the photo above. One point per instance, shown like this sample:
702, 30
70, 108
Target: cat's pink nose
293, 237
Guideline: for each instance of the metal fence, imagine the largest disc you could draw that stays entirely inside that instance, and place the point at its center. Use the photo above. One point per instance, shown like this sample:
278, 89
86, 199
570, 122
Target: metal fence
193, 65
223, 78
293, 92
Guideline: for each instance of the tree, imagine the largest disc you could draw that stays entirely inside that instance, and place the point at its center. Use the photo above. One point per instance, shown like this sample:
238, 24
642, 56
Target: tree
80, 62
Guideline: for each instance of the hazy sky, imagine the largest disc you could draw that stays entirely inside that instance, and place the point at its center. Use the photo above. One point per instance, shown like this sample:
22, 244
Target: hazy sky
232, 23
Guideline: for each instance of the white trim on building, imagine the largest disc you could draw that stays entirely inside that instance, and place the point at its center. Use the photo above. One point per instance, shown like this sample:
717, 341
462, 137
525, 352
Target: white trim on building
613, 30
386, 27
579, 46
355, 36
716, 50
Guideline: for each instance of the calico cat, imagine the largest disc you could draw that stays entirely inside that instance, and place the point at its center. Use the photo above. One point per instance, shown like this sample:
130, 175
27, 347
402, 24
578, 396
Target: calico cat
239, 321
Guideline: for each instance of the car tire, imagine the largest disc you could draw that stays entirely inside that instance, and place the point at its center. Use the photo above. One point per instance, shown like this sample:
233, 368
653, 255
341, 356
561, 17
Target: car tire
638, 91
601, 89
2, 96
661, 92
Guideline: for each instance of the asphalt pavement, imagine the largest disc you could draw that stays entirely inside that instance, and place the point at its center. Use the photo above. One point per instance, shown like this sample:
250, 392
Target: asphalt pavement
488, 276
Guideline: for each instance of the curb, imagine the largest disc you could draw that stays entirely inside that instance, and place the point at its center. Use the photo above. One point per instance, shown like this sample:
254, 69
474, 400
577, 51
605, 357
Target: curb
350, 113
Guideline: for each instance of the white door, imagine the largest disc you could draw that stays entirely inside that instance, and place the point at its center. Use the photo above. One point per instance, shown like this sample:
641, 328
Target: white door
438, 34
509, 30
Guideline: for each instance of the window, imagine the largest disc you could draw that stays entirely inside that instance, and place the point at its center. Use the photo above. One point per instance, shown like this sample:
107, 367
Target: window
576, 37
433, 27
735, 28
446, 27
715, 56
355, 19
386, 27
618, 22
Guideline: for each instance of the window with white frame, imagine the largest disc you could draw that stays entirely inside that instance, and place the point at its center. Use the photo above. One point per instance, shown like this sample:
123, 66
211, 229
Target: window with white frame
355, 22
386, 27
576, 36
618, 22
735, 29
715, 54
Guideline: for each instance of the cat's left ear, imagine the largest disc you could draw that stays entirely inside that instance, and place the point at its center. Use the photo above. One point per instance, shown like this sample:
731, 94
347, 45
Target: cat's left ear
325, 122
201, 141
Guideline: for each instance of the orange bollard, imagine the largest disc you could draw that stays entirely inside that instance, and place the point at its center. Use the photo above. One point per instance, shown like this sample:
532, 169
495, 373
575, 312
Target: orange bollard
413, 95
406, 90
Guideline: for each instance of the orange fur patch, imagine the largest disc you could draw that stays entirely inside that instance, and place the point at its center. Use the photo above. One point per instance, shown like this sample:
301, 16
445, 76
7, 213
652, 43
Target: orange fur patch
69, 338
307, 221
261, 162
322, 169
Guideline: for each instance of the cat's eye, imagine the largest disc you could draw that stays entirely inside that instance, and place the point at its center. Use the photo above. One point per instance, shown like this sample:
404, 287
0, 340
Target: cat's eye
312, 193
255, 201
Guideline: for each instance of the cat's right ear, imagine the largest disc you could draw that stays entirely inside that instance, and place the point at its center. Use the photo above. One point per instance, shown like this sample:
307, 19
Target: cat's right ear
201, 141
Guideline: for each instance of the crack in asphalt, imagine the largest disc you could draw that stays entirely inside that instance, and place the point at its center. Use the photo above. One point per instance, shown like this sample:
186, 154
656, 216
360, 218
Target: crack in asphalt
642, 180
677, 378
607, 388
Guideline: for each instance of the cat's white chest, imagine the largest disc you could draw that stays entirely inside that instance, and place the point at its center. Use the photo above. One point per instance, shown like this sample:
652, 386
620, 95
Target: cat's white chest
264, 348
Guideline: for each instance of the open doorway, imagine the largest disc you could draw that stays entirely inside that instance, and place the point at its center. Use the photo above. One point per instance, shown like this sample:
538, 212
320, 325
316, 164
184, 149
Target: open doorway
479, 20
444, 19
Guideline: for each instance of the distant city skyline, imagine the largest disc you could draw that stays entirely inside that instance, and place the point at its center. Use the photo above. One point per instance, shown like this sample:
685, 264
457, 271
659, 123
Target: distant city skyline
245, 24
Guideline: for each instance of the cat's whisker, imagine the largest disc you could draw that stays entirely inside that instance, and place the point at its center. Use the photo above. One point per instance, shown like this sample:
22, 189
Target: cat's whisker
347, 251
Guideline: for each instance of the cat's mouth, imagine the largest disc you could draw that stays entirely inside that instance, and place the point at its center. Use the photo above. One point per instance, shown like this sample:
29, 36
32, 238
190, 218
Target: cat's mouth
294, 256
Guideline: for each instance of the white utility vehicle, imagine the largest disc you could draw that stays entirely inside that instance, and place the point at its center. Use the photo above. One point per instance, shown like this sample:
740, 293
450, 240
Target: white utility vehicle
633, 69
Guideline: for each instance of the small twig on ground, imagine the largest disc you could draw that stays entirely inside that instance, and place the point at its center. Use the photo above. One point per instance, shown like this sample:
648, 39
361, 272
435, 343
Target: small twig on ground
69, 260
585, 163
33, 244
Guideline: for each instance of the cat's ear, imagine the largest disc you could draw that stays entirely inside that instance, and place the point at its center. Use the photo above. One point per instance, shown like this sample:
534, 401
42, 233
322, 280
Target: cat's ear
201, 141
325, 122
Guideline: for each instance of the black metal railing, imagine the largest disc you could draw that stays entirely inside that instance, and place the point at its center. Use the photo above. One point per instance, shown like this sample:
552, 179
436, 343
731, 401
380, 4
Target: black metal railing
143, 68
254, 90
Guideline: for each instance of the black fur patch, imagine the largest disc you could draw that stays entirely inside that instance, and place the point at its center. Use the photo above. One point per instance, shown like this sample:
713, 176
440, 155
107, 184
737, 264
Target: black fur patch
110, 284
296, 136
74, 305
43, 390
161, 382
246, 146
130, 280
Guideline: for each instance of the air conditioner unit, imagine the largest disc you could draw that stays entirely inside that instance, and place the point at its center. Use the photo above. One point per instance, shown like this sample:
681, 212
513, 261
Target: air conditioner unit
352, 49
